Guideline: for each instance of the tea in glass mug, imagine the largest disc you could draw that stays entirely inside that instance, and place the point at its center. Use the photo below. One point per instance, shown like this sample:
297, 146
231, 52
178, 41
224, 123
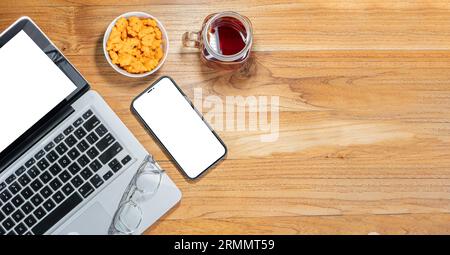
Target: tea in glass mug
225, 40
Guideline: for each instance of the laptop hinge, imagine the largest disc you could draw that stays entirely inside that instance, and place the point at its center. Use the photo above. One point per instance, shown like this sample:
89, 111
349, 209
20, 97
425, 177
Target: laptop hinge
36, 137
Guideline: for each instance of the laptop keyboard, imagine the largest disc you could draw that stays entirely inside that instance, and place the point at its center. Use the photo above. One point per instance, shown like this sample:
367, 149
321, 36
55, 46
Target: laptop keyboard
59, 177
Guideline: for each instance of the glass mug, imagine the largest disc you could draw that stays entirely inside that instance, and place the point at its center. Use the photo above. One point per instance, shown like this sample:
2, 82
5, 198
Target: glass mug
225, 40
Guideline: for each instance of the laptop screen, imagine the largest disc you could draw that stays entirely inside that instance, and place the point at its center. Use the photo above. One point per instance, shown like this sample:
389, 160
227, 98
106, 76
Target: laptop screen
31, 85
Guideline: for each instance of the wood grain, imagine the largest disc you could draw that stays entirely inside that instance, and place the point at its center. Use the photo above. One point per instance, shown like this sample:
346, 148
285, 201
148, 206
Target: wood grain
364, 112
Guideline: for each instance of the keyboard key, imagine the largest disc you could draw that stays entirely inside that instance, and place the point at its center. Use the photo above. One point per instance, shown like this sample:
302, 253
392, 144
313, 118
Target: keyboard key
96, 181
83, 146
105, 142
95, 165
101, 130
46, 192
5, 195
29, 163
17, 216
39, 213
14, 188
33, 172
43, 164
58, 197
86, 173
39, 155
113, 163
77, 181
64, 176
24, 180
27, 207
2, 186
59, 138
108, 175
2, 231
36, 185
61, 149
52, 156
92, 138
116, 167
92, 152
83, 160
10, 179
17, 201
36, 200
49, 205
78, 122
7, 209
110, 153
59, 212
86, 189
30, 221
8, 224
68, 130
49, 146
80, 133
87, 114
55, 169
91, 123
74, 168
70, 141
45, 177
20, 170
20, 229
2, 216
26, 193
126, 160
64, 161
55, 184
67, 189
73, 153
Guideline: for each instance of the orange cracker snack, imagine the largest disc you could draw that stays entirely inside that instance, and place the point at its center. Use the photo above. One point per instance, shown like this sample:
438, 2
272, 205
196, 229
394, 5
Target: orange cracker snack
135, 44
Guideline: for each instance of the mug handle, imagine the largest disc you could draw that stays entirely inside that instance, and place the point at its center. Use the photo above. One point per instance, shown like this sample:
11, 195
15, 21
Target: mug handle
191, 39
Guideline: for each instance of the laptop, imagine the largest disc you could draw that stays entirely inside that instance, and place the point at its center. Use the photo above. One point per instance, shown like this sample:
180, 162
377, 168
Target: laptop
65, 157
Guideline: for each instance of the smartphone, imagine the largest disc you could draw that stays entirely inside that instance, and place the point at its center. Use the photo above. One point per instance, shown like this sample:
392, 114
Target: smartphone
180, 129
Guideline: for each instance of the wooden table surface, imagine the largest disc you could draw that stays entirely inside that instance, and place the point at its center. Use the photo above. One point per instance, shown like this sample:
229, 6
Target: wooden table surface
364, 91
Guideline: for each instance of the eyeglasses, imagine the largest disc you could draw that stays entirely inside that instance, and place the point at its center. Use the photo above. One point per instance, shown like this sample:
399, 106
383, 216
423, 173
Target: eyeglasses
145, 184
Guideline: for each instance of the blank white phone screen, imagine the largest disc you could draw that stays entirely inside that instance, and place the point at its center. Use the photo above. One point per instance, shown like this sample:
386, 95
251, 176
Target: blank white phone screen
179, 128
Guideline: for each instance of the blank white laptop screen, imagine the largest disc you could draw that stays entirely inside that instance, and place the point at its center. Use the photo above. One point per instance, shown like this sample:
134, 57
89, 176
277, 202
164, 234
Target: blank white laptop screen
31, 85
179, 128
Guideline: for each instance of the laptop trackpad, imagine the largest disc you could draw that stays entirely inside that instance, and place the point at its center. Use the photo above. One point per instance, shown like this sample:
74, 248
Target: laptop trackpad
94, 221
